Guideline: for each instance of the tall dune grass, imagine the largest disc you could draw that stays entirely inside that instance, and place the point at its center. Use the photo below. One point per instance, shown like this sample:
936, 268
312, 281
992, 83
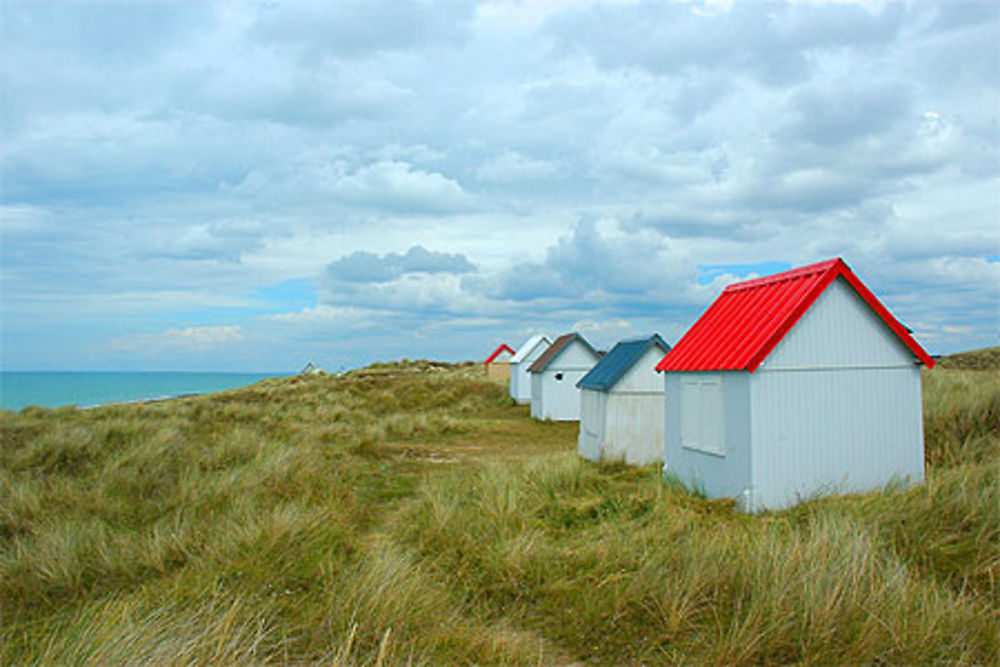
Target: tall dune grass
625, 569
410, 513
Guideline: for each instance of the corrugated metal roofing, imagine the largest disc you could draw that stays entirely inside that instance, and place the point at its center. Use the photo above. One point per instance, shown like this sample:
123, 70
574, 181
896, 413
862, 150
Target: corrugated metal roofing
618, 361
496, 353
556, 348
528, 346
750, 318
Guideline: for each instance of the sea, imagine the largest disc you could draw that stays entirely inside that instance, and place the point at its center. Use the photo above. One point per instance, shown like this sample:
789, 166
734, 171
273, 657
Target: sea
53, 389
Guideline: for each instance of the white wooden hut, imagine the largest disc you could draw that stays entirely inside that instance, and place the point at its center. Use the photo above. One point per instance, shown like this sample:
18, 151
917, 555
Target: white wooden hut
621, 404
498, 363
520, 379
791, 386
554, 375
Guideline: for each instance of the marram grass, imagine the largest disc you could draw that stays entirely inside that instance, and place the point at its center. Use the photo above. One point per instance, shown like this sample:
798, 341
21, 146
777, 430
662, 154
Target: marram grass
410, 513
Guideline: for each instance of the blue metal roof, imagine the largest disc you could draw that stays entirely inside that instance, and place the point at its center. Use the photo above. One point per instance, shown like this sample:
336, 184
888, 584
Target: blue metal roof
618, 361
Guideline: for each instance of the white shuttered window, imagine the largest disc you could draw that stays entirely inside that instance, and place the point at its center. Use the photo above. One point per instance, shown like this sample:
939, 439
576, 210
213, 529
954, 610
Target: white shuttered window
702, 414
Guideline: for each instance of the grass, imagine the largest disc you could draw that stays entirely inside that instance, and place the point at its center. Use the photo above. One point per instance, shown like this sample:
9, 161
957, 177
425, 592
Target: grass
409, 512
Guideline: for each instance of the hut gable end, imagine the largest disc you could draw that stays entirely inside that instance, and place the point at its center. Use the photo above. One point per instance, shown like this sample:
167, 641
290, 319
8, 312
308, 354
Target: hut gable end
642, 378
840, 330
569, 351
575, 356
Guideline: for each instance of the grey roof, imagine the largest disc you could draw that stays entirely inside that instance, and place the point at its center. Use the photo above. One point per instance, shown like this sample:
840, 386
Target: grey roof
618, 361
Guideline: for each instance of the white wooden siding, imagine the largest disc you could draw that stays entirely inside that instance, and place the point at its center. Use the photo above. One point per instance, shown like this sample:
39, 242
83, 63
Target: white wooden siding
626, 422
559, 399
520, 378
840, 330
575, 356
536, 394
817, 432
633, 428
591, 424
642, 377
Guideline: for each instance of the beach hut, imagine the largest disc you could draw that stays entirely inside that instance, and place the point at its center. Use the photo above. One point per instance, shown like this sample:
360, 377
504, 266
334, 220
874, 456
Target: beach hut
554, 375
791, 386
520, 380
621, 404
311, 369
498, 364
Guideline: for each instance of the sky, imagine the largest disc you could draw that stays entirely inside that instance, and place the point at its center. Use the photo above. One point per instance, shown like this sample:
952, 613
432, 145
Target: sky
248, 186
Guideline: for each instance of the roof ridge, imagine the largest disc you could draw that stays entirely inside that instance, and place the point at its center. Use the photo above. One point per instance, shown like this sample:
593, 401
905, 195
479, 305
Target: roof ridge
791, 274
496, 353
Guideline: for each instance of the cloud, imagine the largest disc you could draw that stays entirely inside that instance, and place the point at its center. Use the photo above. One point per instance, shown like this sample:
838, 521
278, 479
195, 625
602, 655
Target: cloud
365, 267
510, 166
599, 263
273, 90
356, 28
197, 339
590, 174
772, 42
221, 241
399, 186
847, 111
101, 31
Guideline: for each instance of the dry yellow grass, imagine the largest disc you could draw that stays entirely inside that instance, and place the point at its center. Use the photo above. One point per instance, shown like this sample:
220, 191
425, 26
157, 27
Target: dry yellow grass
411, 513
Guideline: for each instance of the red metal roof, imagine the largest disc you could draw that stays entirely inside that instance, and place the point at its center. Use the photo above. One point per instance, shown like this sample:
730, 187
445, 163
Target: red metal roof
496, 353
750, 318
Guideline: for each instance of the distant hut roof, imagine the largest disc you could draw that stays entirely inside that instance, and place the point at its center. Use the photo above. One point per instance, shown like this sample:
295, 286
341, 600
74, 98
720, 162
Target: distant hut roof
497, 352
529, 345
618, 361
556, 349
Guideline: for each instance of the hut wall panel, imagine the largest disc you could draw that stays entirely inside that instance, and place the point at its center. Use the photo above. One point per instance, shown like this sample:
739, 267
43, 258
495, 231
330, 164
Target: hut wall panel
633, 430
592, 407
718, 476
536, 394
520, 378
559, 400
826, 431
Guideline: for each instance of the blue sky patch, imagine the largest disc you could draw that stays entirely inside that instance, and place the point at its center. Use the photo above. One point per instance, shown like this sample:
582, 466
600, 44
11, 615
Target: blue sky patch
709, 272
290, 295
